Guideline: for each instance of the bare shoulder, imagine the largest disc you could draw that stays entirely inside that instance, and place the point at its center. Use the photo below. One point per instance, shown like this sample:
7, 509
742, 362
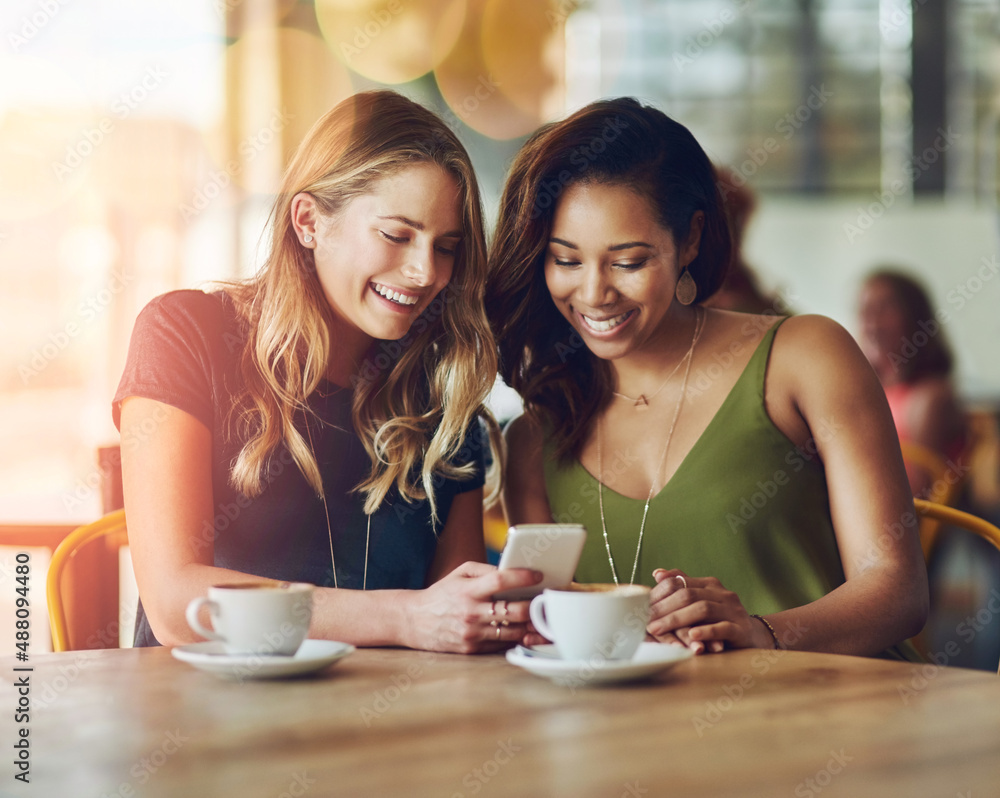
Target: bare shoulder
817, 372
524, 437
812, 343
812, 329
525, 498
523, 433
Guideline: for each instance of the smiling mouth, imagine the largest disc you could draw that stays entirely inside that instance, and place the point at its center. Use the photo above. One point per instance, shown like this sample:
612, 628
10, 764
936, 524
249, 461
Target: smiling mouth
606, 325
394, 296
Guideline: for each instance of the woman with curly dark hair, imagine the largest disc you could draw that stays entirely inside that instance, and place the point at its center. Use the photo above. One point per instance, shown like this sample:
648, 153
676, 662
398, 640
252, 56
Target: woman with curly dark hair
743, 466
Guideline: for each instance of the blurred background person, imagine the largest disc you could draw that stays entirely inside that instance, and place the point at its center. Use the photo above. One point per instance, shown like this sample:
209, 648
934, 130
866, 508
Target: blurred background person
741, 289
906, 345
904, 338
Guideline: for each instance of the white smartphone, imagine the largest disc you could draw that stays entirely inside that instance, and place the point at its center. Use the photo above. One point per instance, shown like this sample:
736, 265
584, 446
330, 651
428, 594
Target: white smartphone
553, 549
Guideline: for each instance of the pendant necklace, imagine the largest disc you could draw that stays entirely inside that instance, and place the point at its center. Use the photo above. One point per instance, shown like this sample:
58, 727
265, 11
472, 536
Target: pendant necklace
641, 402
687, 359
329, 527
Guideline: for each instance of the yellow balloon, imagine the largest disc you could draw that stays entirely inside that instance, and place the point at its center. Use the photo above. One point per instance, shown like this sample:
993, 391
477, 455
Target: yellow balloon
508, 94
524, 50
390, 41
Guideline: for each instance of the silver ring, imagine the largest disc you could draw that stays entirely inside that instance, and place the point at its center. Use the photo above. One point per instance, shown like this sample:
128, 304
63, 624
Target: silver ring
506, 609
493, 608
684, 581
498, 632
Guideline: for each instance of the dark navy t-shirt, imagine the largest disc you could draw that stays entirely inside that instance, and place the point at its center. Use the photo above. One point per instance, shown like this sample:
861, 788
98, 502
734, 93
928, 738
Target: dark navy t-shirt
185, 352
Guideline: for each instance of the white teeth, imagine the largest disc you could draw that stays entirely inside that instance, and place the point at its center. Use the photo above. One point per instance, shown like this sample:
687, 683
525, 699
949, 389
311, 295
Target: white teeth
606, 324
395, 296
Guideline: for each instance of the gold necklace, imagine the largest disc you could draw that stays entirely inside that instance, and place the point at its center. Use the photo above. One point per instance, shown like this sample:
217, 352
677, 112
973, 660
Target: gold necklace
329, 528
688, 357
641, 402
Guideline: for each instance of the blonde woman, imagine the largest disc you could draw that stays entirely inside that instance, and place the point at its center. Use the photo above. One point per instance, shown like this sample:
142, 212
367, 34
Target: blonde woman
323, 421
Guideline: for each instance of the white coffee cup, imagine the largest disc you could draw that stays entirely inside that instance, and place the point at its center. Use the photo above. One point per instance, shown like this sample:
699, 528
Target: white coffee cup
258, 618
593, 622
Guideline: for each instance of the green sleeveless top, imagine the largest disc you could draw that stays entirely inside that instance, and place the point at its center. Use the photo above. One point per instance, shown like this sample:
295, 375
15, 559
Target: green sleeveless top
746, 505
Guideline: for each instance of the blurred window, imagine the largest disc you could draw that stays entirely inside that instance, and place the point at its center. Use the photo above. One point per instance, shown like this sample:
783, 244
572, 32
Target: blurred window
808, 95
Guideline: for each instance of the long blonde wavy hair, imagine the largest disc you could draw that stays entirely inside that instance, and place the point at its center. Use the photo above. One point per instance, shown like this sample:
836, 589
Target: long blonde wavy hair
414, 399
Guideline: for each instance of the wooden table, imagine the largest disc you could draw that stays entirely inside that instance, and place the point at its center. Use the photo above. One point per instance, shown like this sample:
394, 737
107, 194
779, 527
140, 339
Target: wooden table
387, 722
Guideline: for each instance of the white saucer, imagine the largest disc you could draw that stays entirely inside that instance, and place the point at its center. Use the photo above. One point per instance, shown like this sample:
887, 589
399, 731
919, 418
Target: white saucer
649, 659
312, 655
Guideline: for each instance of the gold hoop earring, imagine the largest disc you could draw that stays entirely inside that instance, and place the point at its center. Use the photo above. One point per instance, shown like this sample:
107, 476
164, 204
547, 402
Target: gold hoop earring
687, 289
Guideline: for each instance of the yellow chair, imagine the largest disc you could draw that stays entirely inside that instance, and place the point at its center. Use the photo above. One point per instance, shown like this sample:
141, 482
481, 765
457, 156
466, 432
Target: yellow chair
959, 518
946, 486
112, 524
494, 530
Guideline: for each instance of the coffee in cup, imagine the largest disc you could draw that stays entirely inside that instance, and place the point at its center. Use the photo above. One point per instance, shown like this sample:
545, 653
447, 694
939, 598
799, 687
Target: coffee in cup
593, 621
259, 618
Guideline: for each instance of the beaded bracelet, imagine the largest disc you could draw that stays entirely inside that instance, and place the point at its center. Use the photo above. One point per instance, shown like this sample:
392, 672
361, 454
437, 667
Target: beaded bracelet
770, 628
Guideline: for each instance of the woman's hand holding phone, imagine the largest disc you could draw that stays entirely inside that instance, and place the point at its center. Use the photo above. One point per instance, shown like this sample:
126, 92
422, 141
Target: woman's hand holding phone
553, 549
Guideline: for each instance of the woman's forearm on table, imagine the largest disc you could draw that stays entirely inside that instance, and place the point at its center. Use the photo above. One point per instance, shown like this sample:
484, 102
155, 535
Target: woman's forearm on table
362, 618
864, 616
